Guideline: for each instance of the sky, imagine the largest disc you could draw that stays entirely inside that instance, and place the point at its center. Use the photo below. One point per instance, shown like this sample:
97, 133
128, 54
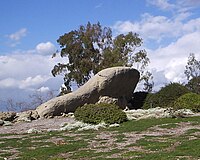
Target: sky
29, 30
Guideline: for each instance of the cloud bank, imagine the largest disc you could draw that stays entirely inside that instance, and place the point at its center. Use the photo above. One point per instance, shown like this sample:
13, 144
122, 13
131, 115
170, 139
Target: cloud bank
25, 72
168, 40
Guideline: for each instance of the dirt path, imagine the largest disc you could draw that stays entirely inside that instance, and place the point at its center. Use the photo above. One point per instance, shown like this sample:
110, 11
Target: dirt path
40, 124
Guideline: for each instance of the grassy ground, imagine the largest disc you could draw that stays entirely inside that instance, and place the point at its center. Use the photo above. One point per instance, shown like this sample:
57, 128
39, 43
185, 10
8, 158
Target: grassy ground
150, 139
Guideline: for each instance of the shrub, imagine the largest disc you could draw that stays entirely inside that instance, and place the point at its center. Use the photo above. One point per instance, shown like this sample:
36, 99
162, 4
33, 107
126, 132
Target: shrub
188, 101
166, 96
97, 113
194, 85
149, 101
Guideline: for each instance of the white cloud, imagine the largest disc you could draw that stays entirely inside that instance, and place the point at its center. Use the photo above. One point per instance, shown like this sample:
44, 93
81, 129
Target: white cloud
191, 26
161, 27
28, 83
98, 5
188, 43
175, 5
18, 35
45, 48
8, 83
162, 4
188, 3
150, 27
33, 81
23, 74
170, 60
43, 89
158, 27
29, 70
126, 26
180, 34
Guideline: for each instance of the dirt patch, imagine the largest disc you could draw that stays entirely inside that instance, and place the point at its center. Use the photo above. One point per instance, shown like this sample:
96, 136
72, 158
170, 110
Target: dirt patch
182, 128
106, 141
40, 125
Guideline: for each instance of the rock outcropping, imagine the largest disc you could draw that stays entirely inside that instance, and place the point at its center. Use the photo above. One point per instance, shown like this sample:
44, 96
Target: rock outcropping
115, 82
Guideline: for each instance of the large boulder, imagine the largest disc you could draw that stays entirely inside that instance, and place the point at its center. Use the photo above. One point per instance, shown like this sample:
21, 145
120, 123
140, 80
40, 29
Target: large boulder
115, 82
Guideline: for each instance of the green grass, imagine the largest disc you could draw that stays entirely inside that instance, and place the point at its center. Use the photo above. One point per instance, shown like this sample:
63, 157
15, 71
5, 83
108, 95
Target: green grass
120, 138
52, 150
88, 145
153, 145
169, 126
191, 131
144, 124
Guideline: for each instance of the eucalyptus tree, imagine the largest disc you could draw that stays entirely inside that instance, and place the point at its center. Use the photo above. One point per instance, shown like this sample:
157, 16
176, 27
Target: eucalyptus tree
92, 48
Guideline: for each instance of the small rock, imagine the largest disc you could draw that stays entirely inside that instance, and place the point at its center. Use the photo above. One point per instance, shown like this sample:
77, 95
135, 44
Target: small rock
1, 122
26, 116
108, 100
33, 130
70, 114
52, 130
114, 125
7, 116
157, 113
34, 115
7, 123
183, 113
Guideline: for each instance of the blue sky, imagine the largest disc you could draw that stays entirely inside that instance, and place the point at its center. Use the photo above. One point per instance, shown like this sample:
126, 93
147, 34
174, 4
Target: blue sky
46, 20
29, 29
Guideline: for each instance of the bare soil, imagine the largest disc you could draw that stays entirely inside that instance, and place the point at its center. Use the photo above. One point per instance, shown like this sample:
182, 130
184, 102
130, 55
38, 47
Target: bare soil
40, 124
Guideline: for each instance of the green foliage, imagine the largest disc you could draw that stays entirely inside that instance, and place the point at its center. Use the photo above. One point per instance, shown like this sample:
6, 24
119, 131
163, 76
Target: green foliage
92, 48
192, 72
194, 85
166, 96
192, 69
149, 101
188, 101
97, 113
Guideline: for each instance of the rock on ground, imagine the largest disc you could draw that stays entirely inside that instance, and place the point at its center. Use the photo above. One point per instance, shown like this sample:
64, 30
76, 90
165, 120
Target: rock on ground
158, 113
7, 116
39, 125
115, 82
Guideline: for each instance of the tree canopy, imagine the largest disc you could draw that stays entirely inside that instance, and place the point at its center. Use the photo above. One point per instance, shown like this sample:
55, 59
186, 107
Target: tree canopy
192, 71
92, 48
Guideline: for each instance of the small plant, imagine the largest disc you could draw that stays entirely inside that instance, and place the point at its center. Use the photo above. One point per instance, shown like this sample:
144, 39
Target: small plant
188, 101
97, 113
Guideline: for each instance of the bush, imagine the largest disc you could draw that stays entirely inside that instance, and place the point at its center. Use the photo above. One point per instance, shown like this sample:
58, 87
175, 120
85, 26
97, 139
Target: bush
149, 101
188, 101
97, 113
194, 85
166, 96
